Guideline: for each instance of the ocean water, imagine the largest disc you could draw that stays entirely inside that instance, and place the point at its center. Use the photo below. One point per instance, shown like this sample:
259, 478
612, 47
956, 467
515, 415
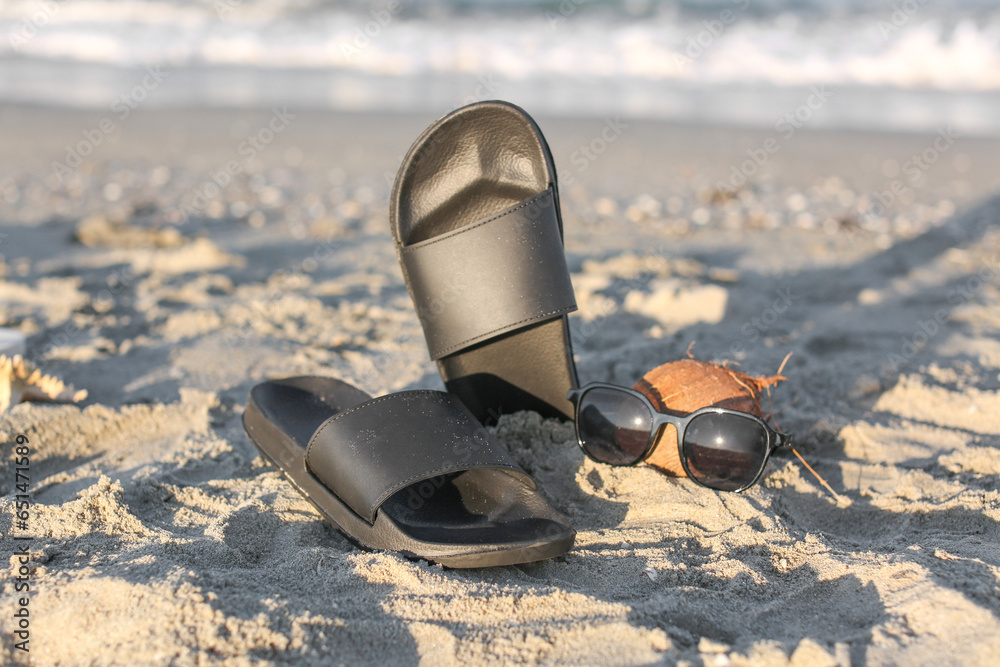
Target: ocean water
906, 65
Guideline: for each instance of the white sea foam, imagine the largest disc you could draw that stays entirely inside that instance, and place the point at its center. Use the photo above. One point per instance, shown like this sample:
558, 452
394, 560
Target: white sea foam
672, 46
869, 49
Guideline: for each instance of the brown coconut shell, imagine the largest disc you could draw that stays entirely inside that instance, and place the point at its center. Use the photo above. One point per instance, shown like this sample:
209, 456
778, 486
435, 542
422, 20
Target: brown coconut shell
681, 387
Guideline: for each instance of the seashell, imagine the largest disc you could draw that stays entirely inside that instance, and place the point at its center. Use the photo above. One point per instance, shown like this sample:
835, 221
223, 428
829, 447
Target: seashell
21, 381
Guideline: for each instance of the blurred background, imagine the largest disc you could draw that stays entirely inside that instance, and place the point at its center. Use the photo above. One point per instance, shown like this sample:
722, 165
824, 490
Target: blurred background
908, 65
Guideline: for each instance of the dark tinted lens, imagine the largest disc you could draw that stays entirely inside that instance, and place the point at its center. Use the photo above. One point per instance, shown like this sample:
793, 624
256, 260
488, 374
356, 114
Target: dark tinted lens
613, 426
724, 451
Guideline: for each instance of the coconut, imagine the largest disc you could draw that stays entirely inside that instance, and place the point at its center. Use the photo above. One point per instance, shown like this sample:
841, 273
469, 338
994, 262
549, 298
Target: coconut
681, 387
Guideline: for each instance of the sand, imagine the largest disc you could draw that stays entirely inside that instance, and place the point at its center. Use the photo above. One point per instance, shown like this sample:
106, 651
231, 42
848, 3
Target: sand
159, 537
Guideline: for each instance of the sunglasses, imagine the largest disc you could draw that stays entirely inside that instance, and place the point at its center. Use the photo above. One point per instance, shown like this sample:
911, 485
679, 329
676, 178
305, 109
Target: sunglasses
721, 449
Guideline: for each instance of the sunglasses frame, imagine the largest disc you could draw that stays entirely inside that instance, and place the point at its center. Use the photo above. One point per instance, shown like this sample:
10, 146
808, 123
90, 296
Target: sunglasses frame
775, 439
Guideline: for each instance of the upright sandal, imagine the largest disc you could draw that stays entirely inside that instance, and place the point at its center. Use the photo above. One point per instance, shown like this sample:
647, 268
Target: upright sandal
476, 221
412, 472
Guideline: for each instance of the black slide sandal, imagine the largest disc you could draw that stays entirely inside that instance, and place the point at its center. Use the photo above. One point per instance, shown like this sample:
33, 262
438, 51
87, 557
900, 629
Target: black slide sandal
477, 226
412, 472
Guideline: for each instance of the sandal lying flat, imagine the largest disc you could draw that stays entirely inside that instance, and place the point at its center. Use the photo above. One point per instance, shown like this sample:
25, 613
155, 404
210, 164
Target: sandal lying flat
412, 472
476, 221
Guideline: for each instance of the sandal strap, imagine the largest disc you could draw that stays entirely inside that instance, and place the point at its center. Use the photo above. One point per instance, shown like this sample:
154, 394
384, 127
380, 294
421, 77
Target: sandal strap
490, 277
369, 452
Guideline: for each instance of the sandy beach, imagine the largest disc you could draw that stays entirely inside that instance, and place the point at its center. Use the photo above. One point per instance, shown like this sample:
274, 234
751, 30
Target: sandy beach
190, 254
